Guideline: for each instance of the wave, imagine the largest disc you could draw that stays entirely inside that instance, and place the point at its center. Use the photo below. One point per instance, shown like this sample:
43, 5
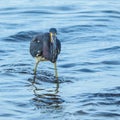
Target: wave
112, 49
21, 36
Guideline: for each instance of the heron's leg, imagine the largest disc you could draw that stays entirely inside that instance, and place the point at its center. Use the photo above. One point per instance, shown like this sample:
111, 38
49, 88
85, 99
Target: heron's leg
36, 64
55, 67
35, 68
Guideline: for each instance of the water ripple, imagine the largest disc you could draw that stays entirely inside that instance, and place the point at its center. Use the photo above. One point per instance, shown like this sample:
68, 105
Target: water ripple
44, 99
88, 66
110, 49
87, 70
111, 62
111, 12
107, 114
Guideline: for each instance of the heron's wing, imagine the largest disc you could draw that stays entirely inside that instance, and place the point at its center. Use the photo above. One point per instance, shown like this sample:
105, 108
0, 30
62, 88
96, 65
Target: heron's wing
58, 46
36, 45
46, 46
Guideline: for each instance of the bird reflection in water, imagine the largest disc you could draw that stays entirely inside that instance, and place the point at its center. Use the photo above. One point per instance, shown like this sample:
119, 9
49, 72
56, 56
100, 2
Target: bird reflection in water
44, 97
56, 81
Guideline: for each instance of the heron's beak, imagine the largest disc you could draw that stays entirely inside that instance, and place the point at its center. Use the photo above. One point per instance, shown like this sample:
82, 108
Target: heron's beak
52, 37
53, 46
53, 41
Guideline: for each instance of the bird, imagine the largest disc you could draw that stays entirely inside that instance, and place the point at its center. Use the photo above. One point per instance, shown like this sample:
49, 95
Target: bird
46, 47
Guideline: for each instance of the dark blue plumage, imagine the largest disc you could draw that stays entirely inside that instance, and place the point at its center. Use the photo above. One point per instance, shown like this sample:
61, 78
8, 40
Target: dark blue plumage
42, 46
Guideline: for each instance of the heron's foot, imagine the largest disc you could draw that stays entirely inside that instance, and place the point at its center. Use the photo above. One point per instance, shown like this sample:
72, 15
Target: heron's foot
56, 77
33, 80
57, 85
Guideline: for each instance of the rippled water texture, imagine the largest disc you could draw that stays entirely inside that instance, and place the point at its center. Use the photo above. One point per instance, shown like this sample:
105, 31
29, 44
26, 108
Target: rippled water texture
88, 66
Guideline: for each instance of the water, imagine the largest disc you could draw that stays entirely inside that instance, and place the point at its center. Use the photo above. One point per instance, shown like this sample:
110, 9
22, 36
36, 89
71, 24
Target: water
88, 66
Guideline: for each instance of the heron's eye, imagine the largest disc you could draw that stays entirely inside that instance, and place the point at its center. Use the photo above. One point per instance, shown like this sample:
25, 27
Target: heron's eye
54, 34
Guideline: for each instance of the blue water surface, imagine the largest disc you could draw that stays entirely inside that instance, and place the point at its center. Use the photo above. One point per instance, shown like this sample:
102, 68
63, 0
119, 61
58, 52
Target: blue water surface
88, 66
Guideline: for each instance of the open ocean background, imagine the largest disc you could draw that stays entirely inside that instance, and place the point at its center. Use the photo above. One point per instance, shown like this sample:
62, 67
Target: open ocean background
88, 66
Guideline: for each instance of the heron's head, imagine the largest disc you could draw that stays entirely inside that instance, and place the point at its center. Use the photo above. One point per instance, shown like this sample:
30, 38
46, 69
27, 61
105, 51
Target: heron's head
53, 33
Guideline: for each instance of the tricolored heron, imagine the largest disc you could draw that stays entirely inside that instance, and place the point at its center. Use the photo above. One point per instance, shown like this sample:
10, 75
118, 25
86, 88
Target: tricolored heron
46, 47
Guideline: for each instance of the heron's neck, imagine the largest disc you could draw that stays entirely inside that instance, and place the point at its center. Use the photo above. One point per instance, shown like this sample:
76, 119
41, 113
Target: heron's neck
51, 39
